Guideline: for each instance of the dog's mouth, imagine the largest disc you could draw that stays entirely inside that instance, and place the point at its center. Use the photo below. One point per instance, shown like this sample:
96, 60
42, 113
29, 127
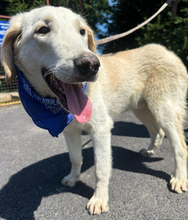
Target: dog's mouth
71, 96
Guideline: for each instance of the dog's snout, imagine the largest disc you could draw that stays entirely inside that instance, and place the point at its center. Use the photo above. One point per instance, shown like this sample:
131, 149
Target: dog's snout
87, 64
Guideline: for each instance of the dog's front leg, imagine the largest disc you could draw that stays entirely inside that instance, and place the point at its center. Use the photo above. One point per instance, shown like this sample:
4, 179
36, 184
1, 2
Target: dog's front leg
73, 140
102, 151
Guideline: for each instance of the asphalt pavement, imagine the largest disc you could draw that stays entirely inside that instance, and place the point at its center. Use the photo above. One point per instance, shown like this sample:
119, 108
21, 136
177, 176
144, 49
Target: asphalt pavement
32, 164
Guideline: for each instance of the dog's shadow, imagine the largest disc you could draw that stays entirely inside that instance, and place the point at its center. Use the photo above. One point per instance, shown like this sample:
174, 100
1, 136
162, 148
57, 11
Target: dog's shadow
23, 193
129, 129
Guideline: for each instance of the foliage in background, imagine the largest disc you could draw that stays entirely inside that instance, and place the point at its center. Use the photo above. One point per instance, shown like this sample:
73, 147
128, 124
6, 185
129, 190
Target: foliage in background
168, 31
96, 11
15, 6
165, 30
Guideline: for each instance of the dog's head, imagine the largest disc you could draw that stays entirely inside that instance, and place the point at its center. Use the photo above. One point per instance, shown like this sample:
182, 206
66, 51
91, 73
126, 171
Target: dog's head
53, 47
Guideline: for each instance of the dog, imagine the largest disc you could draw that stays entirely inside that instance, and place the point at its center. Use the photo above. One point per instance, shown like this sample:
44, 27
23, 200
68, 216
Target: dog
54, 48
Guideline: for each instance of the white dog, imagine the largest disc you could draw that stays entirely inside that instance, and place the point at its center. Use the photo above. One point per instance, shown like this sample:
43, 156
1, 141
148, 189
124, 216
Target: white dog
55, 50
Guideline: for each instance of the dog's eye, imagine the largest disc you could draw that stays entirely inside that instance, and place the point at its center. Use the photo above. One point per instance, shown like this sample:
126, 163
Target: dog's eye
43, 30
82, 32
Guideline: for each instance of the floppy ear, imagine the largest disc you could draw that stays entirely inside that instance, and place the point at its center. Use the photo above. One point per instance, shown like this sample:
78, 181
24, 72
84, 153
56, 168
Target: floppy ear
7, 48
91, 41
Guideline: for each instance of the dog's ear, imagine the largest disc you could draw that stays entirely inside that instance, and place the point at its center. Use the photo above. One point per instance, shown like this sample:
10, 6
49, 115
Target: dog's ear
7, 47
91, 41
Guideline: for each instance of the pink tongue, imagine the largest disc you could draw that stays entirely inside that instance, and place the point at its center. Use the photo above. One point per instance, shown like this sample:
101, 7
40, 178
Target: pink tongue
78, 103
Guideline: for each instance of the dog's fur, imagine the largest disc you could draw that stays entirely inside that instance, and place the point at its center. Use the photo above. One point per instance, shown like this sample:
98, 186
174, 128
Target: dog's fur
151, 81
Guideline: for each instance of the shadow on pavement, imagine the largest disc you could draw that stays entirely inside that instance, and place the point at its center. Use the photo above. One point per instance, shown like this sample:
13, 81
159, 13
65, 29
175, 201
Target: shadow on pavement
23, 193
129, 129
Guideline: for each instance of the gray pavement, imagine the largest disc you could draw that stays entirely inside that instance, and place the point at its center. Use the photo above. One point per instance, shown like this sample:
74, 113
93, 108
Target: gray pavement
32, 164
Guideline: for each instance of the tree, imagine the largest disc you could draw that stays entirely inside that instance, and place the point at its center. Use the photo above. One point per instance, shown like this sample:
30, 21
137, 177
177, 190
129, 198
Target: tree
15, 6
169, 31
165, 30
96, 11
125, 15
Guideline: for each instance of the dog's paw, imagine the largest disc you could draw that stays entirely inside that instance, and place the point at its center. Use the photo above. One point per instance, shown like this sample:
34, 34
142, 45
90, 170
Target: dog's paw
178, 186
97, 205
146, 153
70, 180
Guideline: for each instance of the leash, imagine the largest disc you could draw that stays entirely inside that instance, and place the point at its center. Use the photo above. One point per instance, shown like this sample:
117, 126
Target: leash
117, 36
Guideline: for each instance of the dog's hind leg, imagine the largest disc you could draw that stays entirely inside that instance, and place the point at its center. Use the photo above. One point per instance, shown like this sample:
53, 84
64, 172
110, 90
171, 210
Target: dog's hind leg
156, 133
171, 121
178, 182
73, 139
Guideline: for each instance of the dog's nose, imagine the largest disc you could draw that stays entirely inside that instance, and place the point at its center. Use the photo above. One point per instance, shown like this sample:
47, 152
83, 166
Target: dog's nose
87, 64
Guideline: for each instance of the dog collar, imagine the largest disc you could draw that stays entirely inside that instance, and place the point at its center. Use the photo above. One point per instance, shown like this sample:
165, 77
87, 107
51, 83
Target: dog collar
46, 113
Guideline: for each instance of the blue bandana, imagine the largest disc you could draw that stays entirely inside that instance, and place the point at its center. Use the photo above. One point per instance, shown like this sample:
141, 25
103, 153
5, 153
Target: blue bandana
47, 113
